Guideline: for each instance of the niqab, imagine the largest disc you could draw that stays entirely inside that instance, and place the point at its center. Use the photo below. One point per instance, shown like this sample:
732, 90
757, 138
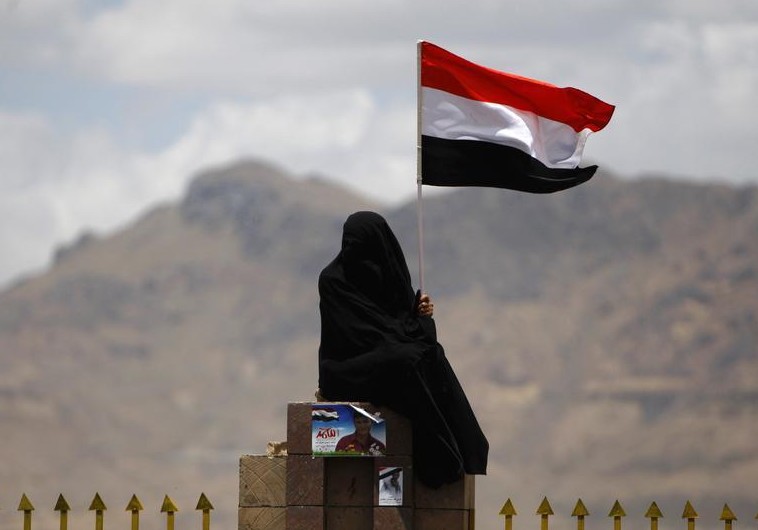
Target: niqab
376, 348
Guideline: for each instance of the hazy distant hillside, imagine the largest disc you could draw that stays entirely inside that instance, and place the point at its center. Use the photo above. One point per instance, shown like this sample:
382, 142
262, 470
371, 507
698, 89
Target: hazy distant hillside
607, 337
662, 275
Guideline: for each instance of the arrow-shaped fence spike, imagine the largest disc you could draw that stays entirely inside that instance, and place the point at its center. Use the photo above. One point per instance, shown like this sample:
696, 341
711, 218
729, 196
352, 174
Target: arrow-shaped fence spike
169, 508
544, 511
727, 515
134, 506
580, 512
62, 506
26, 506
690, 514
98, 506
508, 508
205, 505
653, 513
508, 511
617, 512
544, 507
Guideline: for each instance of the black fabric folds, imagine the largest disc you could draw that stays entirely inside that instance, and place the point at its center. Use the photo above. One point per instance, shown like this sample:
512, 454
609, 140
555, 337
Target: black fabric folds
375, 347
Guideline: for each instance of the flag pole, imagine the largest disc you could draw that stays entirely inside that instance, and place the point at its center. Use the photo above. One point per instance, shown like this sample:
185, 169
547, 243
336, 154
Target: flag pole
419, 207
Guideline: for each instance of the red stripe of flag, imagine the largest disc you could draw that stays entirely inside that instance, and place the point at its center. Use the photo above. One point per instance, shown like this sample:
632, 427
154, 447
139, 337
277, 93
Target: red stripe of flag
445, 71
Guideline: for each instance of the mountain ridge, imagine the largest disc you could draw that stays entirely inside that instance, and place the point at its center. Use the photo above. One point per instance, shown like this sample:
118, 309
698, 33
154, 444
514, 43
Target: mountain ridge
607, 331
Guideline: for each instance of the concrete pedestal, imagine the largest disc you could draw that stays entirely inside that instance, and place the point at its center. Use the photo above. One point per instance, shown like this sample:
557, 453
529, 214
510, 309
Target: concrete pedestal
296, 491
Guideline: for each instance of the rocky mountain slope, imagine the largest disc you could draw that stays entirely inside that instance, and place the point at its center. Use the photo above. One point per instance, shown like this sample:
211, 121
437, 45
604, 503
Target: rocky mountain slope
607, 337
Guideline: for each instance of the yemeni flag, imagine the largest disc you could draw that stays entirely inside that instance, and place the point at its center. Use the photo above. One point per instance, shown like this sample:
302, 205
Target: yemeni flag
327, 414
482, 127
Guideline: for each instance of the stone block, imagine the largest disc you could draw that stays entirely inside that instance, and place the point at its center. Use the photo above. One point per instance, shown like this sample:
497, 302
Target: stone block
350, 481
430, 519
289, 489
299, 428
264, 518
305, 518
262, 481
399, 433
305, 480
456, 496
349, 518
393, 518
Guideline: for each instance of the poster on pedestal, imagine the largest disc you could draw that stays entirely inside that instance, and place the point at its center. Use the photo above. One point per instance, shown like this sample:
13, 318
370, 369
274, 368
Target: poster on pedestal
390, 486
346, 430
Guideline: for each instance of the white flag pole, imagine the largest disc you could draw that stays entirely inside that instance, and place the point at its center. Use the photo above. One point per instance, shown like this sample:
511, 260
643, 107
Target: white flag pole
419, 208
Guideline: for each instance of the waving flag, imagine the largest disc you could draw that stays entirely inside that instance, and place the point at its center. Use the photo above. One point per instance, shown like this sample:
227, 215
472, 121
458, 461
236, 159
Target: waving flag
325, 414
482, 127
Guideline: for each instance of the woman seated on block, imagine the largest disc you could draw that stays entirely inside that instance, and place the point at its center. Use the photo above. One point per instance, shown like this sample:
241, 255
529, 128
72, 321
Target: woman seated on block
379, 344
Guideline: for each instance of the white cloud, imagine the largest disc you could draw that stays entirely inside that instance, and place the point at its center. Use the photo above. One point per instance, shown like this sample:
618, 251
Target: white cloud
37, 32
233, 45
329, 87
52, 186
27, 150
731, 52
326, 133
86, 181
686, 107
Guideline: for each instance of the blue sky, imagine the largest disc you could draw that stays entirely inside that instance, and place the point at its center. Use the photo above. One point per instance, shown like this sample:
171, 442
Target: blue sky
109, 107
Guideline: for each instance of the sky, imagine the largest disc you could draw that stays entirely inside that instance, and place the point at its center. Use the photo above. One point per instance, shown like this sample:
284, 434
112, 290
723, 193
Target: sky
110, 107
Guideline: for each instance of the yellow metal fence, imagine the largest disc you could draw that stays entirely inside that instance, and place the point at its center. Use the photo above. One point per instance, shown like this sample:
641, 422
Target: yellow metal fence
617, 512
98, 507
508, 511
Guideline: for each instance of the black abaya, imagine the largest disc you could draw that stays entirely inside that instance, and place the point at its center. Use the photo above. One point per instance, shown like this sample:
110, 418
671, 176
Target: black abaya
375, 347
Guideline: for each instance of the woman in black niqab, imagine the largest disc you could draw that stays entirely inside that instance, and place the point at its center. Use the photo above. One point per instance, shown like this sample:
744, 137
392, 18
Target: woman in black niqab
379, 344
